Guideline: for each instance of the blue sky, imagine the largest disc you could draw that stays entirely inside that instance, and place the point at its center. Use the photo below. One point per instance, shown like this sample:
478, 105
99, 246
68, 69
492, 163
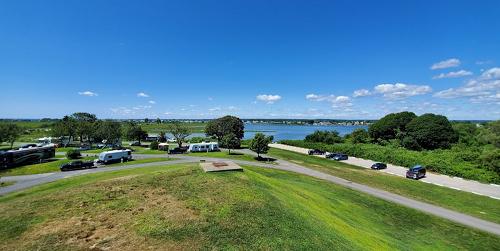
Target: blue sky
253, 59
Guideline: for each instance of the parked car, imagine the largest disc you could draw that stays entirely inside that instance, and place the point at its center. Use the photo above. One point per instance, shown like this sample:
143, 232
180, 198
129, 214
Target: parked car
135, 143
84, 148
315, 152
178, 150
416, 172
337, 156
77, 165
378, 166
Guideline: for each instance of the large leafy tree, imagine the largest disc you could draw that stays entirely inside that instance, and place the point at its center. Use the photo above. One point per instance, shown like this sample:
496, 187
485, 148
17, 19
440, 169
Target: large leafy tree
85, 125
432, 131
359, 136
391, 126
260, 144
230, 141
10, 132
178, 131
66, 127
133, 131
109, 130
223, 126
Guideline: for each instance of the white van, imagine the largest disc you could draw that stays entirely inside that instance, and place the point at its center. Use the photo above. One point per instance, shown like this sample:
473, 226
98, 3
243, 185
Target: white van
204, 147
114, 156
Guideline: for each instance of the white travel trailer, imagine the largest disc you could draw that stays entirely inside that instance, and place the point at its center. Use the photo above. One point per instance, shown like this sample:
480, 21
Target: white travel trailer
204, 147
114, 156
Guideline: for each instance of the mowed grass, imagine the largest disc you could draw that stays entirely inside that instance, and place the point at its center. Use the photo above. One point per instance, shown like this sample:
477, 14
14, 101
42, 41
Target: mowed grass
181, 207
469, 203
53, 166
225, 154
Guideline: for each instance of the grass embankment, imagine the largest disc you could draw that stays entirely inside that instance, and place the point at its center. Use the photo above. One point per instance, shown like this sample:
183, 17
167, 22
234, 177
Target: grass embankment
53, 166
468, 203
182, 207
461, 162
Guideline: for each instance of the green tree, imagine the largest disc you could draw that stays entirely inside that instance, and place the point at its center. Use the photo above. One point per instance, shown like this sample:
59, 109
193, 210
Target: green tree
10, 133
391, 126
230, 141
162, 137
65, 127
467, 133
85, 125
432, 131
110, 131
490, 133
133, 131
158, 121
359, 136
328, 137
260, 144
154, 145
223, 126
178, 131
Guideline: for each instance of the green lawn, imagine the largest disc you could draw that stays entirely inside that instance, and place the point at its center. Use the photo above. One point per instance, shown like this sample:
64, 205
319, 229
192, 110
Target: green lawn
181, 207
469, 203
53, 166
226, 155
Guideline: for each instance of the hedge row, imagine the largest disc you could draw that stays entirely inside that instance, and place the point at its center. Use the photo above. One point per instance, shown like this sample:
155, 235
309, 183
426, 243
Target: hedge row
454, 162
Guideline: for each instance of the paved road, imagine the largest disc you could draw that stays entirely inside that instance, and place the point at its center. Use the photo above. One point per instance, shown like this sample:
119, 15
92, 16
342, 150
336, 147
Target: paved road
24, 182
490, 190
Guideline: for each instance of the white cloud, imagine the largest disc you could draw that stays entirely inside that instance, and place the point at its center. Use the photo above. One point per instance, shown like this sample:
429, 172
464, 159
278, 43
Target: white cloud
270, 99
142, 95
401, 90
152, 102
453, 74
88, 94
214, 109
336, 101
318, 98
452, 62
361, 93
483, 88
483, 62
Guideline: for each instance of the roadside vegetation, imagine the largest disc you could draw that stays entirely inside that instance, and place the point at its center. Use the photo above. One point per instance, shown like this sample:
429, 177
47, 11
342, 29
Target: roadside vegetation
468, 203
182, 207
461, 149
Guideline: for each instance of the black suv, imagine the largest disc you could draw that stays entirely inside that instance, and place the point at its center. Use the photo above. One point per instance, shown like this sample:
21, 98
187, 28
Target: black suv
378, 166
416, 172
337, 156
77, 165
315, 152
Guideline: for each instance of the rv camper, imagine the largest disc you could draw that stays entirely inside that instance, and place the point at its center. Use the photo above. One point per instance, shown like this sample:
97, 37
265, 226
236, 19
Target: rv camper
204, 147
114, 156
26, 156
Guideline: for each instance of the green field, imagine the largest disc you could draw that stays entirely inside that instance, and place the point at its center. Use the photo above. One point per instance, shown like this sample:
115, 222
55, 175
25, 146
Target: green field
226, 155
53, 166
182, 207
469, 203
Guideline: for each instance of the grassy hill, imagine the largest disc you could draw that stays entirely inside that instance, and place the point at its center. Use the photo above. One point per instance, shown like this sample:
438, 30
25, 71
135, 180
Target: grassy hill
183, 208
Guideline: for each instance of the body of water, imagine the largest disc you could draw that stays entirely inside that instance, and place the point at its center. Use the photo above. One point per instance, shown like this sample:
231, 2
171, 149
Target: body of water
282, 132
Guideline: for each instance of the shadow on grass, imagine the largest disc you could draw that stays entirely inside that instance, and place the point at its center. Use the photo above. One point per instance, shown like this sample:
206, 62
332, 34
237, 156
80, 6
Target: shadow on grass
266, 159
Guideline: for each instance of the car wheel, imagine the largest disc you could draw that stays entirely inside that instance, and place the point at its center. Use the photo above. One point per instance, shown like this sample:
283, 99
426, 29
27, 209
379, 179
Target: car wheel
414, 176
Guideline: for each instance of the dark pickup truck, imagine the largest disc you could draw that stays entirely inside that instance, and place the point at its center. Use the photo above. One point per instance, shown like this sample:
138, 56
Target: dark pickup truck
77, 165
416, 172
178, 150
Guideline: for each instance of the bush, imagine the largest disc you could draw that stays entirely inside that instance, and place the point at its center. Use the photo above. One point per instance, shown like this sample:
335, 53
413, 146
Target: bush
432, 131
154, 145
329, 137
469, 163
73, 154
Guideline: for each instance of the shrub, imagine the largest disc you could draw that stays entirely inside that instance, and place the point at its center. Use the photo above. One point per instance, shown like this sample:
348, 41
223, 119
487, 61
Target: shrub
329, 137
154, 145
73, 154
432, 131
469, 163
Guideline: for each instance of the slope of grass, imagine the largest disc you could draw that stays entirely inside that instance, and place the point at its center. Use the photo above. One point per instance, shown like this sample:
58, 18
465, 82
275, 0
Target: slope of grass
182, 207
225, 155
469, 203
